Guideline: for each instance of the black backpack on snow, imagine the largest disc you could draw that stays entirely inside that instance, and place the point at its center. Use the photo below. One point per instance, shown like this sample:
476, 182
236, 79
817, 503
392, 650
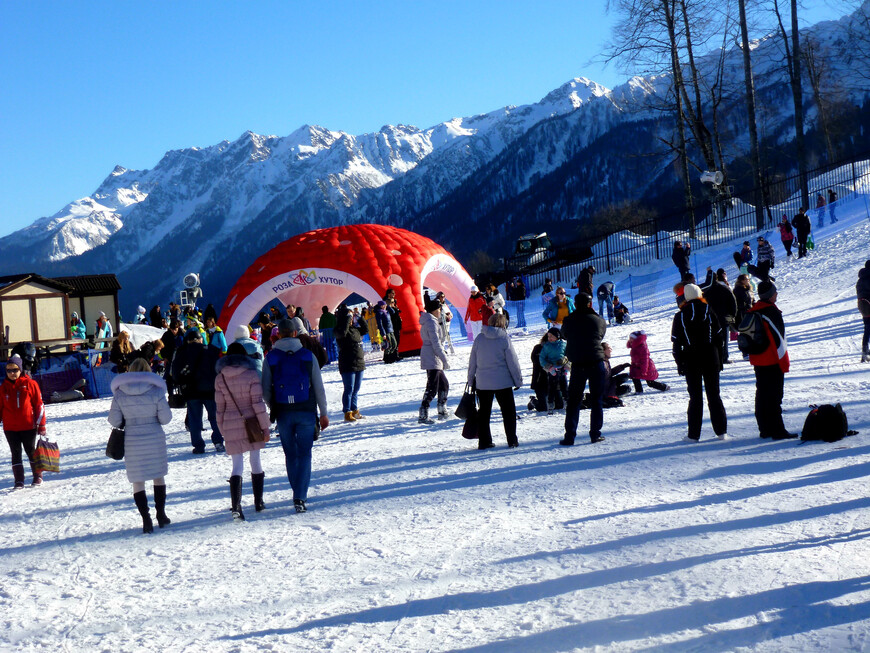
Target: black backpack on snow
827, 423
751, 335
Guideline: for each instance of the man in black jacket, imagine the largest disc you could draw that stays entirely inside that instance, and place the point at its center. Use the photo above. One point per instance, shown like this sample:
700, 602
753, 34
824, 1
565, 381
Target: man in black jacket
680, 257
721, 300
584, 280
696, 337
583, 331
803, 226
193, 371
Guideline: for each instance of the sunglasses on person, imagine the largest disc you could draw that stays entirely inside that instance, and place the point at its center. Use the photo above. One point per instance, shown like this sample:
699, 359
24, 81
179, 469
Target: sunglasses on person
13, 370
560, 293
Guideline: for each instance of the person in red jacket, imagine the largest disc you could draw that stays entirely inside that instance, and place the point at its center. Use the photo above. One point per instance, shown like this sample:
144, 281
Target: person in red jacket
472, 313
770, 366
23, 415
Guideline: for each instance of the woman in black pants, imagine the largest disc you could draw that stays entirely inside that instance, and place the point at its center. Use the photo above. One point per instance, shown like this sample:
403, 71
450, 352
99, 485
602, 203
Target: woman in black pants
493, 368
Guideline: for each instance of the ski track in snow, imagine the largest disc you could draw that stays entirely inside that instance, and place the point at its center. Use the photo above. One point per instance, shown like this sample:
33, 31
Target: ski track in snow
416, 541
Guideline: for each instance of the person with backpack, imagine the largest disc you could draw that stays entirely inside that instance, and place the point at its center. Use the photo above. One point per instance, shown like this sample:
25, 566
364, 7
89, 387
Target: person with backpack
193, 371
349, 332
803, 227
239, 397
433, 359
862, 290
770, 362
786, 234
293, 389
696, 336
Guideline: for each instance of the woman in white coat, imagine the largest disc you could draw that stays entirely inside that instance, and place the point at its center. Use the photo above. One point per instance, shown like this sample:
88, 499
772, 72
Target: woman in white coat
433, 359
139, 405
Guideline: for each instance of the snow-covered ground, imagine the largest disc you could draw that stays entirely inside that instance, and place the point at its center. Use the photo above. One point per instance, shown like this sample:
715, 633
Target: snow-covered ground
416, 541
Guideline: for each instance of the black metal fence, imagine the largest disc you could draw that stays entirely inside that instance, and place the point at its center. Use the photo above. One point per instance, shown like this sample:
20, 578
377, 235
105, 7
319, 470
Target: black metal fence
720, 221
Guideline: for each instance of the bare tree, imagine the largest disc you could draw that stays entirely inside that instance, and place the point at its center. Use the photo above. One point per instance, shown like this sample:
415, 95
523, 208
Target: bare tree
755, 157
792, 48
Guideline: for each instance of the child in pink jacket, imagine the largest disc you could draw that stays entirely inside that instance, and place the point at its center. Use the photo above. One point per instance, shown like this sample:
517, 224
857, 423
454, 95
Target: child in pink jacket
642, 368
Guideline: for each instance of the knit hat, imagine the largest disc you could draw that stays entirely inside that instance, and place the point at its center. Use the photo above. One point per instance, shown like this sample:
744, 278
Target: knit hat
556, 331
299, 326
583, 299
15, 359
382, 304
192, 334
287, 326
766, 290
432, 305
474, 288
691, 291
241, 332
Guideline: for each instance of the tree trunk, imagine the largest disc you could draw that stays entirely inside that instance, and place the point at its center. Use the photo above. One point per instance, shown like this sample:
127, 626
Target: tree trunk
797, 99
760, 198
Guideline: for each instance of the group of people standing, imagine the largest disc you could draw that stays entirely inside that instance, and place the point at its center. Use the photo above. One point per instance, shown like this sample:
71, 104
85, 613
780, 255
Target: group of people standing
243, 392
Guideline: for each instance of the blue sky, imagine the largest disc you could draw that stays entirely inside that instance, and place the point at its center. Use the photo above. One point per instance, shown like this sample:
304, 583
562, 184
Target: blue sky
88, 85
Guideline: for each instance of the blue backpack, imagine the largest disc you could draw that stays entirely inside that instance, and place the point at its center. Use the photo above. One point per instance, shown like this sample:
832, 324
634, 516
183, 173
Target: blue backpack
291, 378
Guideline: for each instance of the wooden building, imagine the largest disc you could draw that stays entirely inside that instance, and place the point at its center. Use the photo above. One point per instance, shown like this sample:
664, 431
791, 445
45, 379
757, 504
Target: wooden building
37, 309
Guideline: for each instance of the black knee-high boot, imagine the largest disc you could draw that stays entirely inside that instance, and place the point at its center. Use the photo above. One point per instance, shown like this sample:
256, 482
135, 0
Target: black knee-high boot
236, 496
257, 481
142, 504
160, 505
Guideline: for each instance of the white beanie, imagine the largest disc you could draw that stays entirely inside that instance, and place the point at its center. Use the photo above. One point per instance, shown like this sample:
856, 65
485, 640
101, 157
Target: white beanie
691, 291
241, 332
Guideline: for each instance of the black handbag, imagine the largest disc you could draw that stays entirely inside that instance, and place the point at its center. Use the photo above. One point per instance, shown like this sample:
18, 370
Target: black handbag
115, 446
467, 407
470, 430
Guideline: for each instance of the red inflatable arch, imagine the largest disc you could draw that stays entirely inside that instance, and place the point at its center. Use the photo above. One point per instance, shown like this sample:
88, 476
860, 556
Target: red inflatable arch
322, 267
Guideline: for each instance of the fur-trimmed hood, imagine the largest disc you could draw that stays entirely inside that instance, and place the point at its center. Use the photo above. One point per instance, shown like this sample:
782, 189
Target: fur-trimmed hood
235, 364
137, 383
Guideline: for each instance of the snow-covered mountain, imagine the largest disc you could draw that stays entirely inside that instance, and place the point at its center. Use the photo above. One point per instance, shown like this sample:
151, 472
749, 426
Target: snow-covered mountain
496, 175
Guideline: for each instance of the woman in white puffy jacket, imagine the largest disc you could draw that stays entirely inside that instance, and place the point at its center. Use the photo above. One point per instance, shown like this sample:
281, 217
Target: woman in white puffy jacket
139, 405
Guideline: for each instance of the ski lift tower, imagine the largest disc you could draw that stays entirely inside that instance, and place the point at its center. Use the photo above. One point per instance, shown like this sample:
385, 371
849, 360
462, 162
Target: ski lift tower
715, 180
